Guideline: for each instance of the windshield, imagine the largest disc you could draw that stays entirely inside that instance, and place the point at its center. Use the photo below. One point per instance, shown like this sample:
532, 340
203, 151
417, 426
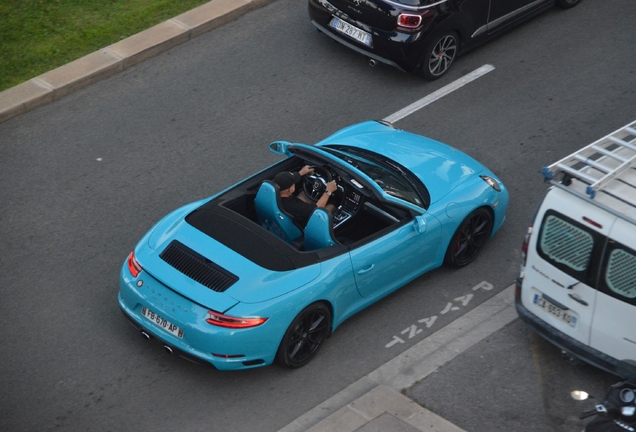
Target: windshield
394, 179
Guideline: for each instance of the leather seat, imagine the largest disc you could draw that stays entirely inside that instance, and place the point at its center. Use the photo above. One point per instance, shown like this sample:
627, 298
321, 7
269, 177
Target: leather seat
319, 231
271, 215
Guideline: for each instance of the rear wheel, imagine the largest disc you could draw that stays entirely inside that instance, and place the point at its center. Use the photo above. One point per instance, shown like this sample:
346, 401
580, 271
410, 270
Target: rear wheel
439, 55
565, 4
469, 238
305, 336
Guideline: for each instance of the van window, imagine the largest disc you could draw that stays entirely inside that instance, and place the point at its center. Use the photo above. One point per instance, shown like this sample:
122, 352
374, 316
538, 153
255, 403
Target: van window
569, 246
619, 272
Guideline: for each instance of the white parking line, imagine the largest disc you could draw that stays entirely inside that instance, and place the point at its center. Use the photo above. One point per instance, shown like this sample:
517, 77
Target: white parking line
439, 93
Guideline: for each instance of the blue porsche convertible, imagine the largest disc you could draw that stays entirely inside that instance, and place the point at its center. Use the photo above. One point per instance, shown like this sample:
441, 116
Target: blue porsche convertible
234, 281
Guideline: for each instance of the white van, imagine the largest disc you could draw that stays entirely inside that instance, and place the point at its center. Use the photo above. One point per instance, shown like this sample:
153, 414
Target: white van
577, 285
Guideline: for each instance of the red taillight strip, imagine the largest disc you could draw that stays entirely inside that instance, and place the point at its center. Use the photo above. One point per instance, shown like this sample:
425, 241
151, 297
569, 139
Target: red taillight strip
221, 320
524, 246
592, 222
133, 265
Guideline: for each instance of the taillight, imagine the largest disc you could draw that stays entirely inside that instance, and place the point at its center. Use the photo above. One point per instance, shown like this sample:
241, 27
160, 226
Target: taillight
221, 320
409, 21
412, 21
133, 265
524, 247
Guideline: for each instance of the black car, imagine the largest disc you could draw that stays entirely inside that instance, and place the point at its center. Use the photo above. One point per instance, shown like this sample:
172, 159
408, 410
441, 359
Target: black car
421, 36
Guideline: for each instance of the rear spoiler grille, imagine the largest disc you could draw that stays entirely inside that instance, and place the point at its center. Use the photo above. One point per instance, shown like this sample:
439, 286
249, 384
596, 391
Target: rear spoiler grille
197, 267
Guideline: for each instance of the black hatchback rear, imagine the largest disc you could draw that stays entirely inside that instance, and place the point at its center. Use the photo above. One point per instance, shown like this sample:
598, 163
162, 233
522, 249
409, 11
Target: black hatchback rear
421, 36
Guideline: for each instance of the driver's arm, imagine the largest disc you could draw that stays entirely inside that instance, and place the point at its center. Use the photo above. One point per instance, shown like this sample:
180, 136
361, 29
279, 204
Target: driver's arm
306, 170
324, 198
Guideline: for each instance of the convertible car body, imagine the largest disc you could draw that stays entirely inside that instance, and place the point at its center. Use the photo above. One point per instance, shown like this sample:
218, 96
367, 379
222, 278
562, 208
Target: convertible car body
232, 281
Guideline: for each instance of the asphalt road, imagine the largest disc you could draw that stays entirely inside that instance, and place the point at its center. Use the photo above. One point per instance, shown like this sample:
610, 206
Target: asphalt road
83, 178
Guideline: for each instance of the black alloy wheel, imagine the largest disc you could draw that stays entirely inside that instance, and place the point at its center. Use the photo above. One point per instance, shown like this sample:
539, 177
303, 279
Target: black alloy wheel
566, 4
305, 336
439, 55
469, 238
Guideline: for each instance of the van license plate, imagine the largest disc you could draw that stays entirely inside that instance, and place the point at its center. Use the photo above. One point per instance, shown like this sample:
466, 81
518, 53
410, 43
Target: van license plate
555, 310
162, 322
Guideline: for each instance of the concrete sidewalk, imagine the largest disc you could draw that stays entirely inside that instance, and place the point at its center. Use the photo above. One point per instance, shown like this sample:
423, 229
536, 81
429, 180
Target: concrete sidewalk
375, 402
119, 56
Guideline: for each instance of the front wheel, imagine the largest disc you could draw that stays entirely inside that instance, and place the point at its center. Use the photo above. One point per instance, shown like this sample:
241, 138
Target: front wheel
439, 55
469, 238
566, 4
305, 336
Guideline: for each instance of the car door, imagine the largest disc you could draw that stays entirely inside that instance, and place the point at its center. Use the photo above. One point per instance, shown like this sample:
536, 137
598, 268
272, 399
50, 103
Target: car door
614, 323
503, 12
562, 264
390, 261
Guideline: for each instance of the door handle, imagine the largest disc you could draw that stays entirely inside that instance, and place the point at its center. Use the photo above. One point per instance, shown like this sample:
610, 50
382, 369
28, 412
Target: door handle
366, 269
576, 298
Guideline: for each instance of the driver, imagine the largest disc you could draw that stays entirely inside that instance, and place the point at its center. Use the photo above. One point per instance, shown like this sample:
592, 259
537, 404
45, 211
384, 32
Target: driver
301, 207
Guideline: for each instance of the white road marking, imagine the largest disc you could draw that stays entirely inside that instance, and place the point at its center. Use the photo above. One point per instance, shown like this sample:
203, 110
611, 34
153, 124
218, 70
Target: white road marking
439, 93
413, 330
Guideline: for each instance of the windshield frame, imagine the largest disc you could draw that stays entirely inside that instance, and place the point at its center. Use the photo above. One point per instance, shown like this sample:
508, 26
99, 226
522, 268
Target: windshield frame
372, 159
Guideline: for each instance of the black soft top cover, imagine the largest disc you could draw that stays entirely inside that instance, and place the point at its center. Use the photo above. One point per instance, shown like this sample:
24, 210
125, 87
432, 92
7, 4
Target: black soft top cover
251, 240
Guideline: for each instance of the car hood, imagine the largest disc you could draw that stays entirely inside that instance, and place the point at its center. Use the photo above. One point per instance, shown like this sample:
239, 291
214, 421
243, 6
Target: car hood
249, 283
440, 167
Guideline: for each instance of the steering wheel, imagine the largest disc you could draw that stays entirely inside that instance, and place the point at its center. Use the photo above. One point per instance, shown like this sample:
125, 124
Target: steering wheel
315, 184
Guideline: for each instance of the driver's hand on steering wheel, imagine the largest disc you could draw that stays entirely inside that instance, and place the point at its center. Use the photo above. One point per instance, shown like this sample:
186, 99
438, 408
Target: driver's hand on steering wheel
332, 186
306, 170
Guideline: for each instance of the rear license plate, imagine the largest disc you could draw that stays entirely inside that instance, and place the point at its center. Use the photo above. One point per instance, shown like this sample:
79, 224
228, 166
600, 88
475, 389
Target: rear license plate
555, 310
162, 322
351, 31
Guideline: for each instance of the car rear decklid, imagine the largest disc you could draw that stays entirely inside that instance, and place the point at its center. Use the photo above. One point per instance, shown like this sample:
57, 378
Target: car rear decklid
375, 13
208, 272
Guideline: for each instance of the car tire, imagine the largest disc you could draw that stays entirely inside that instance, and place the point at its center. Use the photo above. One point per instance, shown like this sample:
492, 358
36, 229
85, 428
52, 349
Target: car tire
469, 238
439, 55
566, 4
305, 336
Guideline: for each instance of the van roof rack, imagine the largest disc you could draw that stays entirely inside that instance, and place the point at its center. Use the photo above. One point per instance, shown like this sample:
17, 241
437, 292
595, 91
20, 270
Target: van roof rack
606, 166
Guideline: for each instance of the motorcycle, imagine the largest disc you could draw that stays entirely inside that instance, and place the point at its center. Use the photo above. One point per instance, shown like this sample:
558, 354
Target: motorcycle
617, 410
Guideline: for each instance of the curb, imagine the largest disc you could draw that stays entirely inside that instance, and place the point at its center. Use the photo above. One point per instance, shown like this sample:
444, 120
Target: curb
359, 404
119, 56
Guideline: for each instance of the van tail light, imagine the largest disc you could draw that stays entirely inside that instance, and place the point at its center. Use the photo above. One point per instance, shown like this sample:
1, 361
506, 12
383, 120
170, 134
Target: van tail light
133, 266
524, 257
524, 247
220, 320
412, 21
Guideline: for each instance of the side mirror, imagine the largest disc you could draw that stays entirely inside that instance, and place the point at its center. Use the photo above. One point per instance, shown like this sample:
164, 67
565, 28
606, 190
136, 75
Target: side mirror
420, 224
280, 147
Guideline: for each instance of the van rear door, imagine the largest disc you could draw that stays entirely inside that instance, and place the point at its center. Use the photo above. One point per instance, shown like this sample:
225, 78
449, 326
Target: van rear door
614, 324
567, 242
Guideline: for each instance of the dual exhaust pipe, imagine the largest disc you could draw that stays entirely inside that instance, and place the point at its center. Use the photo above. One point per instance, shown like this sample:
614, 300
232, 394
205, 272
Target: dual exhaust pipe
166, 348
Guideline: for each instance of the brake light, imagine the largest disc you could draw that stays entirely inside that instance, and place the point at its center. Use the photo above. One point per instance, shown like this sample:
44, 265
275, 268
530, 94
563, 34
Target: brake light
524, 247
412, 21
592, 222
409, 21
133, 266
221, 320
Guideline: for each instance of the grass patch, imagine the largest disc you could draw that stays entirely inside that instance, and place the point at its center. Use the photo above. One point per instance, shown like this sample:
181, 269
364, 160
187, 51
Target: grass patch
37, 36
